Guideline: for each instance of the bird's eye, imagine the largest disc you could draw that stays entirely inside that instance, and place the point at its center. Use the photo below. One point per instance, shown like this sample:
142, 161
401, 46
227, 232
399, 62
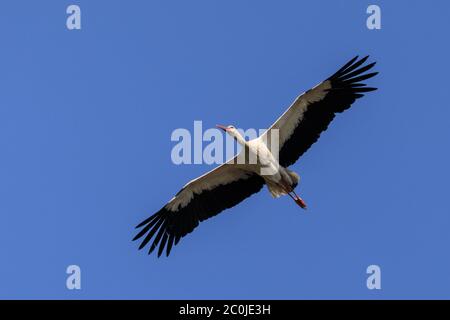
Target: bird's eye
231, 127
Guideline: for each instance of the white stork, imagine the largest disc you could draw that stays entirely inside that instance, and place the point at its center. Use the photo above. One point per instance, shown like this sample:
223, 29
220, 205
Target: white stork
230, 183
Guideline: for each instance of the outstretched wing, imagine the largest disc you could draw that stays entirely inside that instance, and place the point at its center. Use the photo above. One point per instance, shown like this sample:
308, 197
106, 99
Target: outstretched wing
311, 113
202, 198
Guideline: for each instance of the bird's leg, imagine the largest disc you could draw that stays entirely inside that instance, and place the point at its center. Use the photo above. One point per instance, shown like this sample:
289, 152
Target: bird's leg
296, 198
290, 195
299, 200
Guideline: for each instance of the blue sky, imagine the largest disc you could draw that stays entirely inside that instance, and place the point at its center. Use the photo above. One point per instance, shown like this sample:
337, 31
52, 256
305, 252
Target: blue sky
85, 124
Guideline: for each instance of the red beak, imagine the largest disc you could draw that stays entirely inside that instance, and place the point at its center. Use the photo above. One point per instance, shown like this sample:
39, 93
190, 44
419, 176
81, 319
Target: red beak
222, 127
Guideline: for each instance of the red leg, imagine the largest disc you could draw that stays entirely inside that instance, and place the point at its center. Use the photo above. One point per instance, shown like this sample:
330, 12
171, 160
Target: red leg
297, 199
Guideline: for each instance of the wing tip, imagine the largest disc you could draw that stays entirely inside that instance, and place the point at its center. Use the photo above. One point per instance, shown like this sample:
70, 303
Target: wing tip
154, 228
143, 223
351, 68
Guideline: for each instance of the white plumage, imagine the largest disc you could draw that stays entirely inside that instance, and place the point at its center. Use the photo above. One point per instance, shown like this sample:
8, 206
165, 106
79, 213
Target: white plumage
227, 185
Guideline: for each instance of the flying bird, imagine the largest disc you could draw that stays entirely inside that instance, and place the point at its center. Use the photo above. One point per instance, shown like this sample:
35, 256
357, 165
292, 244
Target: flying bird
230, 183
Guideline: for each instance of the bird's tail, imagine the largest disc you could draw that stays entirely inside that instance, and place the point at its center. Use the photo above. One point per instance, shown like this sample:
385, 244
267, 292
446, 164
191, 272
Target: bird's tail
277, 190
295, 178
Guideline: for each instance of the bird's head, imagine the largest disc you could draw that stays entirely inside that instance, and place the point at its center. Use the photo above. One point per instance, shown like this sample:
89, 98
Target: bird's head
231, 130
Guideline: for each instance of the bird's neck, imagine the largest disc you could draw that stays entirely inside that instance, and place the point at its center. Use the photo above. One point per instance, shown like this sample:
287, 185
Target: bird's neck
240, 139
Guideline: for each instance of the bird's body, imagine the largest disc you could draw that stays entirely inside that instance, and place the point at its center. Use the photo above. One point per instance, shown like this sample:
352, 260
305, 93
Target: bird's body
262, 161
279, 180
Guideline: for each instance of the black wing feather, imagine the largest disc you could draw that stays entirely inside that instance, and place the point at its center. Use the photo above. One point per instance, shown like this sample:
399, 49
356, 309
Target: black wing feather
345, 89
170, 226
